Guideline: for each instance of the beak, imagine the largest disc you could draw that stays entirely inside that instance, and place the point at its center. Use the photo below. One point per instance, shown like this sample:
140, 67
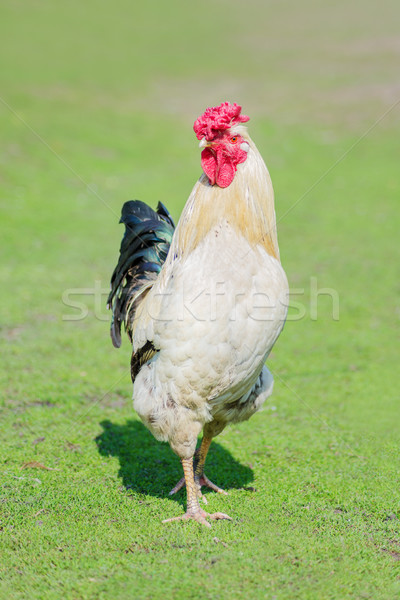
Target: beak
204, 144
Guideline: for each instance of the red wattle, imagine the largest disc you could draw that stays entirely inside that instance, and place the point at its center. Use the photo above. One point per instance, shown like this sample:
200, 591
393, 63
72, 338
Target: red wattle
220, 165
209, 164
226, 170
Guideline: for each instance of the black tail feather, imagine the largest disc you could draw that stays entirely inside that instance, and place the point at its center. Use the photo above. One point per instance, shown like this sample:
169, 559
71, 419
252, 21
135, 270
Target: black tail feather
144, 248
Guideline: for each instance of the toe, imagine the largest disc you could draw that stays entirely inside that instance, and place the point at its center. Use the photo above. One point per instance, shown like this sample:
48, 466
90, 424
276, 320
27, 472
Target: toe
200, 516
178, 486
203, 498
184, 517
201, 519
205, 481
219, 515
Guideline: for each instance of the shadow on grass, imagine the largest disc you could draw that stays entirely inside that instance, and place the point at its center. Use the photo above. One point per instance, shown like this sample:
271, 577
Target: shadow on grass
150, 467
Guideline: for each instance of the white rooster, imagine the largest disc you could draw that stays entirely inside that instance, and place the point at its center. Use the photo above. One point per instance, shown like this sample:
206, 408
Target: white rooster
203, 304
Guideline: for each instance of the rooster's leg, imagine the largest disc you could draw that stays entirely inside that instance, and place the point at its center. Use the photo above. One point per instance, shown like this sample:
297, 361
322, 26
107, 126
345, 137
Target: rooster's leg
193, 507
199, 476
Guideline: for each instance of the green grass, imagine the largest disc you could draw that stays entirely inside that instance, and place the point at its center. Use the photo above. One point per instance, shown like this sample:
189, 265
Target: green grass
101, 100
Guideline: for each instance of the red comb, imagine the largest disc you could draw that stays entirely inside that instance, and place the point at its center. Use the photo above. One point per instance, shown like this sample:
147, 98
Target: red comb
218, 119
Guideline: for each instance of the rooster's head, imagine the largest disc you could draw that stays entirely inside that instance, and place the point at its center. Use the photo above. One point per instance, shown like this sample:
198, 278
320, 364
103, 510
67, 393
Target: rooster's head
223, 147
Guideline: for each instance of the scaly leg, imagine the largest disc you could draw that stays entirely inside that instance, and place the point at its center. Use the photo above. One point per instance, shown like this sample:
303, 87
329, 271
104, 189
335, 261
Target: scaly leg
193, 507
199, 476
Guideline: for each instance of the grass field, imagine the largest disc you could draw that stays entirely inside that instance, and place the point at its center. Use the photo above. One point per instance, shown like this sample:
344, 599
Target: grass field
97, 105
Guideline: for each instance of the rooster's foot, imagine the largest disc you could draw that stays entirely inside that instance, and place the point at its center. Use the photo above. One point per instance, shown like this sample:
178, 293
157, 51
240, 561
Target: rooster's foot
199, 481
203, 480
200, 516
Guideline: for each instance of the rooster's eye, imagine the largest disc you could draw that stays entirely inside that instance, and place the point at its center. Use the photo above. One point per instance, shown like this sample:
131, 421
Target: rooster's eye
234, 139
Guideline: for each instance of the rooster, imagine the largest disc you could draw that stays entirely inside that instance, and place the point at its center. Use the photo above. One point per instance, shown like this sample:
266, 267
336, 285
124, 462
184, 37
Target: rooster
202, 303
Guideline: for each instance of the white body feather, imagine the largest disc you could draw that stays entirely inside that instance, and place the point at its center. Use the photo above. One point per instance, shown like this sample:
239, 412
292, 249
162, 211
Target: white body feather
214, 313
